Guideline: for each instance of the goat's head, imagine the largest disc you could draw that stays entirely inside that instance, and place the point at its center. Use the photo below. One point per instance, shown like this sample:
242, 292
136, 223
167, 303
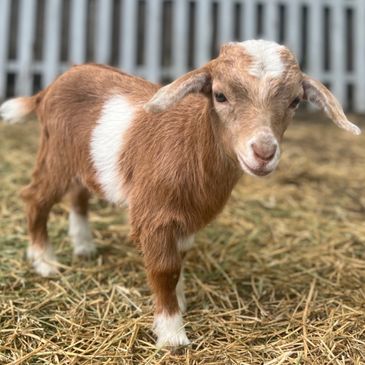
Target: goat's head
255, 88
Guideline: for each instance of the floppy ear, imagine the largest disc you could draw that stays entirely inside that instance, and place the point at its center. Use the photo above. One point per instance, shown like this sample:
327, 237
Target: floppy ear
194, 81
319, 95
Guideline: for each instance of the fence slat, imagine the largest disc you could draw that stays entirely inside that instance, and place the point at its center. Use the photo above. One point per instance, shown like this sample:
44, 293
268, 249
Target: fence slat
103, 31
180, 37
52, 41
128, 36
78, 31
225, 21
4, 34
25, 46
24, 66
338, 85
203, 31
271, 21
292, 36
315, 39
249, 22
153, 40
359, 32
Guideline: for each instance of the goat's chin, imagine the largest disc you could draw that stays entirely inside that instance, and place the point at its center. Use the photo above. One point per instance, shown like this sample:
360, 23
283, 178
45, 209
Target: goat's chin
255, 170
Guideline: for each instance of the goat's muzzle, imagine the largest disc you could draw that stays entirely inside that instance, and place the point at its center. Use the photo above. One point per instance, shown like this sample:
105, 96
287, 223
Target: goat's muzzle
260, 155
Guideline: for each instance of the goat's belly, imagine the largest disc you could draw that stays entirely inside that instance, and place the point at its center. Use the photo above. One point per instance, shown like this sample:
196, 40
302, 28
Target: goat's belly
106, 147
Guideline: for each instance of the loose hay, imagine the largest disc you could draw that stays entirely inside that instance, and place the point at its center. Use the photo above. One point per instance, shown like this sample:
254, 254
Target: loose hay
278, 278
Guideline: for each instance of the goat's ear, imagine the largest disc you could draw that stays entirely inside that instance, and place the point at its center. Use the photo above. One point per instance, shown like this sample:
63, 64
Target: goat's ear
195, 81
316, 93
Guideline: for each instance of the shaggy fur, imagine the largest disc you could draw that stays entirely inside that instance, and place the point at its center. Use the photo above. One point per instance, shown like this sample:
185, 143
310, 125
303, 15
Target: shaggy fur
173, 154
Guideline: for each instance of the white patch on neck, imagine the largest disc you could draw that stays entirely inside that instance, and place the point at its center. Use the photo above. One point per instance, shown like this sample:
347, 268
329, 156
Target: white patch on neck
266, 58
106, 146
170, 330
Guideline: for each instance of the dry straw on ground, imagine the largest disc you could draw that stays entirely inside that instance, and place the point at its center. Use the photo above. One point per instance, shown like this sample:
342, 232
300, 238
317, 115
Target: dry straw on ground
278, 278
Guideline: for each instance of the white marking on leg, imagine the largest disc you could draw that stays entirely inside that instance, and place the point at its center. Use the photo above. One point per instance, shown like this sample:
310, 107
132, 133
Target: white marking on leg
180, 292
170, 330
185, 244
266, 58
106, 146
43, 260
80, 233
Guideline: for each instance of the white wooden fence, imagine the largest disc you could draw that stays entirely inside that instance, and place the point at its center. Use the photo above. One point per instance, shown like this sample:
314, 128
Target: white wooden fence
160, 40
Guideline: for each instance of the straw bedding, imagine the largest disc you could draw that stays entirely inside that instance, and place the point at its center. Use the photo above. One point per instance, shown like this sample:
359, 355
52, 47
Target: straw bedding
278, 278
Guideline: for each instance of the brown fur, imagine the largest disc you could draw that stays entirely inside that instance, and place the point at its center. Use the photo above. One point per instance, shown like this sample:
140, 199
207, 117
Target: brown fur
177, 176
178, 166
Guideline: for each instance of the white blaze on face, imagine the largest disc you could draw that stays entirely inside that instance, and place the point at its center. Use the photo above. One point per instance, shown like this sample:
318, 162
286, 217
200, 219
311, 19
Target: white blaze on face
266, 58
106, 145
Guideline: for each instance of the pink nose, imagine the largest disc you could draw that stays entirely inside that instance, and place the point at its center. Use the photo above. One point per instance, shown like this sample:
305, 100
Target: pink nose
264, 151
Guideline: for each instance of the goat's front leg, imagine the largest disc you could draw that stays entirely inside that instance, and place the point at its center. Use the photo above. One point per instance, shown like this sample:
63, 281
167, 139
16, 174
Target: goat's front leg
183, 245
163, 264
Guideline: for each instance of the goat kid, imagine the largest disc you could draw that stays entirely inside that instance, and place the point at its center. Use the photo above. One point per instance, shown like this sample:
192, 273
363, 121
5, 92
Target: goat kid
172, 154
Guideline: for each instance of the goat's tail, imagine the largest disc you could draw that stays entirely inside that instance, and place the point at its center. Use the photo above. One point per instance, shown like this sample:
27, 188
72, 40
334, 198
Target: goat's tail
19, 109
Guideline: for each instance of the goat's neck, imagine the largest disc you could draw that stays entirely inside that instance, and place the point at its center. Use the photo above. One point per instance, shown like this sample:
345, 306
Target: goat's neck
217, 163
213, 129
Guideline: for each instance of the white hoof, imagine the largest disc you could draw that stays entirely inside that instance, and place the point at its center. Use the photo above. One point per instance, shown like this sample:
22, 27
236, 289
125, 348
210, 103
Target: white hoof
85, 249
81, 236
43, 260
170, 331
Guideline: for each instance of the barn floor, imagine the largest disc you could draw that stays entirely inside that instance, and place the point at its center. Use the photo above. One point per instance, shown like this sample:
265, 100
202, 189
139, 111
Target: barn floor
278, 278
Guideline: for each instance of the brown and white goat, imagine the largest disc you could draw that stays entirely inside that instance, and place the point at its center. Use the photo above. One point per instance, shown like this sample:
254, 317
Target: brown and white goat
171, 154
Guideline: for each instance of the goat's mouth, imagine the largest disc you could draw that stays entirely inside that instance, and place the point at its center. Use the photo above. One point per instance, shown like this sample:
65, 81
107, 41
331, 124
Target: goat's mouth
262, 170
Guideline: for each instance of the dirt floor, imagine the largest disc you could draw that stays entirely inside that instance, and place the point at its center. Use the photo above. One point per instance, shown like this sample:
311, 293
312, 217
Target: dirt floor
278, 278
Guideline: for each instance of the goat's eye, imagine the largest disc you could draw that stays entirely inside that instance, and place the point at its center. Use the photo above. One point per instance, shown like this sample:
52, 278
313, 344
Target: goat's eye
220, 97
294, 103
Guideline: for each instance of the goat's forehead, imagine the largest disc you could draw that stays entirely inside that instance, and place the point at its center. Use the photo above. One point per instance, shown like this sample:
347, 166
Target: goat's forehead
266, 58
259, 58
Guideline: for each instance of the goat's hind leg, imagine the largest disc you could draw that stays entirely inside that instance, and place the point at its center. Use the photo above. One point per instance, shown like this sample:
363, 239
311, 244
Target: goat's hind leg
39, 197
49, 184
79, 227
